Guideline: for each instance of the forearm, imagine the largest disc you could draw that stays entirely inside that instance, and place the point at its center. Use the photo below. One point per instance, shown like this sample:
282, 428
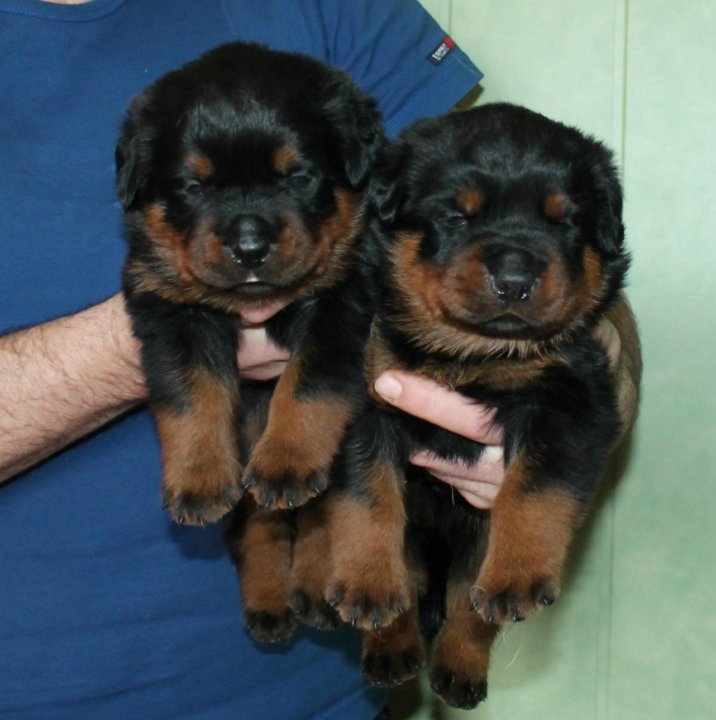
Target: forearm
61, 380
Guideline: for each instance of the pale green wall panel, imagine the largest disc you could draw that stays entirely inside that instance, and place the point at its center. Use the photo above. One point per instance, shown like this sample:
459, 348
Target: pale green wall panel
664, 630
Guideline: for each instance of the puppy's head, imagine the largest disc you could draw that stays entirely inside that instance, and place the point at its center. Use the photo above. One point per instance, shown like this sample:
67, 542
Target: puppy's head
241, 177
503, 230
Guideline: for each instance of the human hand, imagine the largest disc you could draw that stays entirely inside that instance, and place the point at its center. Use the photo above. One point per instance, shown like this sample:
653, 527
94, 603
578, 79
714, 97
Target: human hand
478, 483
258, 357
608, 336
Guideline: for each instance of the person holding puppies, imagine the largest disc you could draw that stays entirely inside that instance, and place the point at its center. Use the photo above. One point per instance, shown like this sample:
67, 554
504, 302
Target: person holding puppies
109, 609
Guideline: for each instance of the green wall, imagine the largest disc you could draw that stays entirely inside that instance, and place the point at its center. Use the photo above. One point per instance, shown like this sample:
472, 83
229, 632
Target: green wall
634, 634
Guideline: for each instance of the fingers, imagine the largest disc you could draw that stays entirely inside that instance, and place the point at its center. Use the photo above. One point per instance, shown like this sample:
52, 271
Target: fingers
478, 483
426, 399
607, 334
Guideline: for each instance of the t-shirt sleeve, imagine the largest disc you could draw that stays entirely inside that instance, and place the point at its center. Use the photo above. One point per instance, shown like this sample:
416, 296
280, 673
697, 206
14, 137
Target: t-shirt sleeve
397, 52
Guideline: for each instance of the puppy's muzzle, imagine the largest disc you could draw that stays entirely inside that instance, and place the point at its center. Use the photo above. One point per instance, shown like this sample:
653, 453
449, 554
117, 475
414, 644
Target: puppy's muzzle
250, 240
513, 272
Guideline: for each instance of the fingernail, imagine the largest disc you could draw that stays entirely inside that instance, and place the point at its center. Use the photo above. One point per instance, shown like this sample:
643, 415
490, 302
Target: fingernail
388, 387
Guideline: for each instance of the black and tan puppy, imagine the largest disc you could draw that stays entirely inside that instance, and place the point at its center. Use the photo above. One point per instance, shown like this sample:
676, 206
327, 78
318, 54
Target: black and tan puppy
241, 178
503, 246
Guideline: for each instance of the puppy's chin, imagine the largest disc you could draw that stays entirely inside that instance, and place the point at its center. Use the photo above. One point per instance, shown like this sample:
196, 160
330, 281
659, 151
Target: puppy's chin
252, 287
263, 284
505, 324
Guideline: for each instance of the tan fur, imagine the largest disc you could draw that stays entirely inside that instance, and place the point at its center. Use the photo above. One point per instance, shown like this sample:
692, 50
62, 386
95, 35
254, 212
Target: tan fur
441, 301
462, 647
178, 279
311, 566
190, 268
285, 158
200, 165
168, 243
498, 374
555, 205
628, 370
530, 532
369, 566
302, 436
420, 284
337, 237
469, 200
265, 552
199, 451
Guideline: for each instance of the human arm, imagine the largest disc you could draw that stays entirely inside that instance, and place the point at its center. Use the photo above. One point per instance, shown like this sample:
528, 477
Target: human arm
63, 379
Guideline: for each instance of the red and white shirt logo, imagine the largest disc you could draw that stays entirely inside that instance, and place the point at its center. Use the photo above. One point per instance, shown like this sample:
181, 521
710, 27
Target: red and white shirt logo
442, 50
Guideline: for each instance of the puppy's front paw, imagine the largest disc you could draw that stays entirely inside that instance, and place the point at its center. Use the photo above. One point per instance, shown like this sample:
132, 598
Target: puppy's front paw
199, 495
369, 602
501, 596
200, 482
279, 477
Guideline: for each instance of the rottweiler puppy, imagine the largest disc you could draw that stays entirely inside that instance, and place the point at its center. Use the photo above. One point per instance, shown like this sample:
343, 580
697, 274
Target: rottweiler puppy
501, 246
242, 179
240, 175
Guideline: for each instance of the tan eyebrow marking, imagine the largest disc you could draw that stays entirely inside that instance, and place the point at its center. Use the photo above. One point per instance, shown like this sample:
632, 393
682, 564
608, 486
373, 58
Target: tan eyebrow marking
200, 165
469, 200
284, 158
555, 205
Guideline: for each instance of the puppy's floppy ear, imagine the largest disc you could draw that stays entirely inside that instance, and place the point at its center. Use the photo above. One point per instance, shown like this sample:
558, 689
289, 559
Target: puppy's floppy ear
126, 164
387, 185
609, 226
132, 153
360, 126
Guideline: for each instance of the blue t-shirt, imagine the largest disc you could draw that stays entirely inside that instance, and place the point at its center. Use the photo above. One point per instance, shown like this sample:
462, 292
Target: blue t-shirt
107, 610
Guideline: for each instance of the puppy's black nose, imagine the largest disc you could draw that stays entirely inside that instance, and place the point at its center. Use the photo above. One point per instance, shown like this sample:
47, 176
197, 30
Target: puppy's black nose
250, 240
514, 273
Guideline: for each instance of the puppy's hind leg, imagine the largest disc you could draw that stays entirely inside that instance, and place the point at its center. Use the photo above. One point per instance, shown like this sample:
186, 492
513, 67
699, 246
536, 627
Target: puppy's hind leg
461, 650
311, 567
260, 542
393, 654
